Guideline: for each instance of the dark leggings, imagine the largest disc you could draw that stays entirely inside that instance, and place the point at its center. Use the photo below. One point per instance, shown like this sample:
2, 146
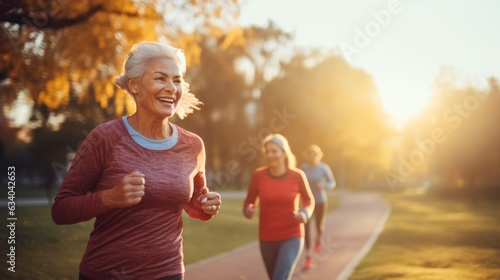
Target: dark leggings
173, 277
280, 257
319, 215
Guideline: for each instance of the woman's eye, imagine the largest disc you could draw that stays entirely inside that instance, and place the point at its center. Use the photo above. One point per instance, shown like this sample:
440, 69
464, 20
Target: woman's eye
160, 79
177, 81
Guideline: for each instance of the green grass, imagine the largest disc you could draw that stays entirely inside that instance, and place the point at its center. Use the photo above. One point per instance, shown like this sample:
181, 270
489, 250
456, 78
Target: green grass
48, 251
435, 238
29, 192
224, 232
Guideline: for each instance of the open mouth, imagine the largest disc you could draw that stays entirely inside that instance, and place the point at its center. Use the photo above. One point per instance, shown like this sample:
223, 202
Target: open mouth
166, 100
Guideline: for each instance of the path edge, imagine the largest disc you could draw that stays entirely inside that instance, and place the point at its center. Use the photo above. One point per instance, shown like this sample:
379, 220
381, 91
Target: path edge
349, 268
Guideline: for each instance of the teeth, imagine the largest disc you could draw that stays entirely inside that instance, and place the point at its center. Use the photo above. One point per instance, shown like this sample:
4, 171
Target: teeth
166, 99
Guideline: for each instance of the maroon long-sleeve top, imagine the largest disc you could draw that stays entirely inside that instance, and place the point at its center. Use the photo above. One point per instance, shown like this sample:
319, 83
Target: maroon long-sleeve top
143, 241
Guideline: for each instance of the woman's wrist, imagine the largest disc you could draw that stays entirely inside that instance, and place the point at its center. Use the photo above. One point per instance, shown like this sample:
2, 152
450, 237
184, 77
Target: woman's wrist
105, 199
304, 214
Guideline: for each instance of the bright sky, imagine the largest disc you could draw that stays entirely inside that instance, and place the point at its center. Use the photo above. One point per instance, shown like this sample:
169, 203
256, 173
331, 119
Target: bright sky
403, 52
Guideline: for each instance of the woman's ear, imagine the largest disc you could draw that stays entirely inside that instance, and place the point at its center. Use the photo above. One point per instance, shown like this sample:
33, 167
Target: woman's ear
131, 84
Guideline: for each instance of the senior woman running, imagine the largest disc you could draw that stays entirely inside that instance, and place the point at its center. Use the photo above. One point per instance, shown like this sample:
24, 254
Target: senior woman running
136, 174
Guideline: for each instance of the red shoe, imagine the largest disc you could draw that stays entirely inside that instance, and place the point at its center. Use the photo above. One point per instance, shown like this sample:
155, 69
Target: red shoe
308, 263
318, 246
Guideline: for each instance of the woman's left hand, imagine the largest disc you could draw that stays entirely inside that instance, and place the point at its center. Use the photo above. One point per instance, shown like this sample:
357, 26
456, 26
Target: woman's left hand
210, 201
300, 217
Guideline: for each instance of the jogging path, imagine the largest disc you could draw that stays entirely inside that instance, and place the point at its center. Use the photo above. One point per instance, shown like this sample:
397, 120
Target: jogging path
350, 232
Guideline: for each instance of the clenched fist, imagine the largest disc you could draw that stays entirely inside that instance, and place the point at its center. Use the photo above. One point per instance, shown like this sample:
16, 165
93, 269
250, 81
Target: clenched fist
129, 191
250, 211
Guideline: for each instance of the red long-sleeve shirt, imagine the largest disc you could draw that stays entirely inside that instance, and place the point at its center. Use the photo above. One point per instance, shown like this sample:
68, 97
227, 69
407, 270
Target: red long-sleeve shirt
143, 241
279, 200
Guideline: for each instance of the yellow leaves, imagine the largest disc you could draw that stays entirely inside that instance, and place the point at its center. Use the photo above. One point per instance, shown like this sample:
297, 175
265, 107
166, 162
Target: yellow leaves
81, 57
119, 102
123, 102
234, 37
190, 43
56, 92
103, 92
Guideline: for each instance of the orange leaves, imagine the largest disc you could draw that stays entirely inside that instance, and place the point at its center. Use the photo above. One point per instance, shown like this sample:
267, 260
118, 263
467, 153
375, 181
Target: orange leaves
56, 92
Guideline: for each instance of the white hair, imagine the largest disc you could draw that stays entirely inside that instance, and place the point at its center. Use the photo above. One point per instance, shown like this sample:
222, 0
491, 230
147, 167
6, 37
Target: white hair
281, 142
135, 65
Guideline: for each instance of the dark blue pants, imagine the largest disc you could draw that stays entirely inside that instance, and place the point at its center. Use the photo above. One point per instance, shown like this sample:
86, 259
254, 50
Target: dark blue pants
280, 257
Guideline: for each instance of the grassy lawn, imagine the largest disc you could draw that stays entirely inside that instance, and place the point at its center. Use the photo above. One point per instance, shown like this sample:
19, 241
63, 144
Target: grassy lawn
434, 238
29, 192
47, 251
226, 231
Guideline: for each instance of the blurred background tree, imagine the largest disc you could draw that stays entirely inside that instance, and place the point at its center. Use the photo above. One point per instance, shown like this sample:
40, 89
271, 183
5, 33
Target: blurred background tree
228, 80
59, 55
337, 107
466, 159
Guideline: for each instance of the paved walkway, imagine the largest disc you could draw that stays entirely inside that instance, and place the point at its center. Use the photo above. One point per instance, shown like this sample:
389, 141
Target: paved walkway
350, 232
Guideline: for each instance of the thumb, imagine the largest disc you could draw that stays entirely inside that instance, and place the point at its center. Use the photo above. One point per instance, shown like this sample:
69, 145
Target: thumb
202, 198
251, 207
204, 190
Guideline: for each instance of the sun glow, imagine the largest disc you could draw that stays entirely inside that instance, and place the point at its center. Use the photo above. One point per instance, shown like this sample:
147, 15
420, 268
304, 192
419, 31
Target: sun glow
402, 98
400, 43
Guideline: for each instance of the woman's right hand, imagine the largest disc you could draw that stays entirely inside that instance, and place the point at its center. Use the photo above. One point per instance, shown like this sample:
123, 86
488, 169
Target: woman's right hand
129, 191
250, 211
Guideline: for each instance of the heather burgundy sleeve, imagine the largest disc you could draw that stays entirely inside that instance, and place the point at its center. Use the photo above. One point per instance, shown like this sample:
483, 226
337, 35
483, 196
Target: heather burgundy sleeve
252, 192
74, 202
306, 195
193, 208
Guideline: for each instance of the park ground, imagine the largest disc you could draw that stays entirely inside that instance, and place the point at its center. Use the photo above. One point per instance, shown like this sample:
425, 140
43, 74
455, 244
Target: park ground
425, 237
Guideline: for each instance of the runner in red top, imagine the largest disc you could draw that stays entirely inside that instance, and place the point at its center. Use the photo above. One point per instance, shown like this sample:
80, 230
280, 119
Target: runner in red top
278, 187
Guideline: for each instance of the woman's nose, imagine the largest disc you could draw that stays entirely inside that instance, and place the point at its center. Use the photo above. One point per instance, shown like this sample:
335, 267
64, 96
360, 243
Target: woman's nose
170, 86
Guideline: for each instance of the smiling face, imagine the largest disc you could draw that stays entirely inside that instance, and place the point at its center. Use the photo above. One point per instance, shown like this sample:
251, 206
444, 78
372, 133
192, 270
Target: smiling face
159, 90
275, 156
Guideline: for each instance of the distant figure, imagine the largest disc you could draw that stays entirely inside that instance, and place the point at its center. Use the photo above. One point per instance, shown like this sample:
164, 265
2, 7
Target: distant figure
136, 174
278, 186
320, 178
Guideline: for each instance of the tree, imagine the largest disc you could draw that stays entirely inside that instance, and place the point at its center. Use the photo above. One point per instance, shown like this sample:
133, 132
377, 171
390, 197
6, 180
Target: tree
64, 54
230, 74
335, 106
467, 156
